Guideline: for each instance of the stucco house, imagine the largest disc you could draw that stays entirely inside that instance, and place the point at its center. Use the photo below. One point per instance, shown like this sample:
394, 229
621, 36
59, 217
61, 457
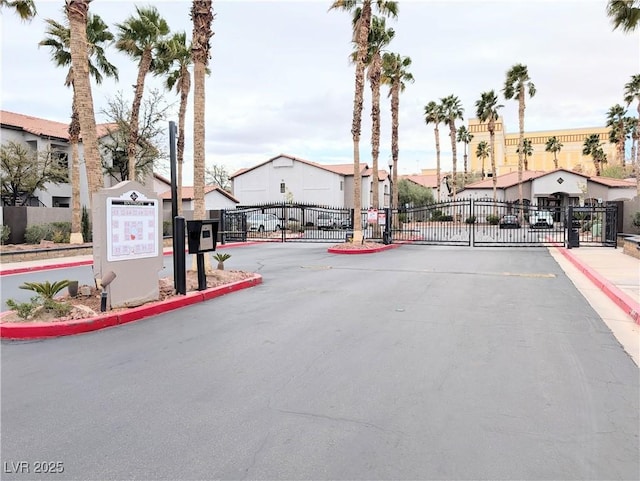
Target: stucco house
41, 135
215, 198
558, 188
292, 179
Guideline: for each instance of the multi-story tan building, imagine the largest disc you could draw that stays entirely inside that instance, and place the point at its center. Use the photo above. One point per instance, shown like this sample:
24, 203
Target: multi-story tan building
570, 156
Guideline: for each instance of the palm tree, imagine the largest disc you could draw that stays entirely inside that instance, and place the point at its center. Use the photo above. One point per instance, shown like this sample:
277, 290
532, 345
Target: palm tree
178, 54
554, 145
515, 87
631, 94
77, 13
452, 110
527, 151
482, 152
379, 38
593, 148
26, 9
202, 18
618, 125
487, 111
361, 36
624, 14
394, 74
58, 39
139, 37
464, 136
433, 115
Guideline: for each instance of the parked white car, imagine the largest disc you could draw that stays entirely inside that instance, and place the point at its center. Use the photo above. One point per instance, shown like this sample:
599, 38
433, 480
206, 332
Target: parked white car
542, 219
263, 222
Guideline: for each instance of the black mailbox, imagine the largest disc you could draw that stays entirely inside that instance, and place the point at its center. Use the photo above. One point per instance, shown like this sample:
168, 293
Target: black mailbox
202, 235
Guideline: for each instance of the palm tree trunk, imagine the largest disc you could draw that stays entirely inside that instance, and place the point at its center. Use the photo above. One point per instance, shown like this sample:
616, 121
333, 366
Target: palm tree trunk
395, 107
198, 139
143, 68
74, 135
464, 180
374, 80
77, 11
555, 159
520, 142
185, 87
452, 134
361, 39
494, 177
436, 131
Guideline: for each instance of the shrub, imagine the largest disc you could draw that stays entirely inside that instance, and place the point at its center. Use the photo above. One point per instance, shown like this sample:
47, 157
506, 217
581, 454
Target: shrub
167, 228
436, 215
36, 233
446, 218
493, 219
24, 309
85, 222
55, 232
4, 234
45, 289
402, 217
636, 220
471, 219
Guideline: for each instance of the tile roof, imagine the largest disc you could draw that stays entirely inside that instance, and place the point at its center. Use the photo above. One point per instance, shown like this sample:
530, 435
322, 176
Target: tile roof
43, 127
423, 180
611, 182
188, 193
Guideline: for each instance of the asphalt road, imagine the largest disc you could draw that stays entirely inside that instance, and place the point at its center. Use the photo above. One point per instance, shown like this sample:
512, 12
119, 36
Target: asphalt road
416, 363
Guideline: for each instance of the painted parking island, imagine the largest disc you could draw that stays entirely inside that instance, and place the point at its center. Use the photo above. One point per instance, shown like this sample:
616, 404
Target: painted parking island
40, 330
365, 250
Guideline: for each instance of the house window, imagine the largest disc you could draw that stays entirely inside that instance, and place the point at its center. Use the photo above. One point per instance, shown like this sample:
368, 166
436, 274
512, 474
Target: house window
341, 185
282, 187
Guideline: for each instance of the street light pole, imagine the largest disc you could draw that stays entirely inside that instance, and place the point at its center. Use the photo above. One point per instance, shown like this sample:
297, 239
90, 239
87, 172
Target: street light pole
390, 184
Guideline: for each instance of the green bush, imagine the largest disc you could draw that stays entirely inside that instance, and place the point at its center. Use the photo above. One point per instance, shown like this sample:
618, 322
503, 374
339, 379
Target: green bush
446, 218
36, 233
493, 219
55, 231
85, 222
24, 309
436, 215
636, 219
45, 289
402, 217
4, 234
471, 219
167, 228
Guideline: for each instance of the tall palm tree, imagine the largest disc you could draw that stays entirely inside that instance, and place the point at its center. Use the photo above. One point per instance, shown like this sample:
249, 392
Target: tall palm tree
452, 109
554, 145
139, 37
202, 18
360, 36
395, 72
632, 94
482, 152
618, 125
26, 9
593, 147
58, 40
178, 53
527, 151
433, 115
464, 136
487, 111
516, 86
77, 13
379, 38
624, 14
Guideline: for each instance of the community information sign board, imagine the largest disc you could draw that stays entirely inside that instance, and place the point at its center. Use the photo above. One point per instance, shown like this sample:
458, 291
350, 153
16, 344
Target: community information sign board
132, 227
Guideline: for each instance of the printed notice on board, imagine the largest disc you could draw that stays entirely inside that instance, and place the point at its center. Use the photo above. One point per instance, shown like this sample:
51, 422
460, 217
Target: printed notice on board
132, 227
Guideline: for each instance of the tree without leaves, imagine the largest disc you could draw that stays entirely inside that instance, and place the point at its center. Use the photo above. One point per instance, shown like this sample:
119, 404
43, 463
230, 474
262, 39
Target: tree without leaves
218, 175
433, 114
516, 85
554, 146
140, 37
151, 130
360, 37
23, 171
58, 40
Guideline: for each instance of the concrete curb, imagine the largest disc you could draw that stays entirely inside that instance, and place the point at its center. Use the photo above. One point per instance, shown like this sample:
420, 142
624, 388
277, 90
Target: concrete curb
372, 250
621, 299
39, 330
88, 262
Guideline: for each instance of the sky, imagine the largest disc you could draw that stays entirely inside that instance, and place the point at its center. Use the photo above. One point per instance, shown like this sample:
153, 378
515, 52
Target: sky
281, 81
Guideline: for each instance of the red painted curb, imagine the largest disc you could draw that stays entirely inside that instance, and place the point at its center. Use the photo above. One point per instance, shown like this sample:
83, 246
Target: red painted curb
39, 330
88, 262
372, 250
622, 300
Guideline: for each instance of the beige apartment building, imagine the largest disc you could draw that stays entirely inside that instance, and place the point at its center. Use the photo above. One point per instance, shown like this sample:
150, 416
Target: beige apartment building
506, 145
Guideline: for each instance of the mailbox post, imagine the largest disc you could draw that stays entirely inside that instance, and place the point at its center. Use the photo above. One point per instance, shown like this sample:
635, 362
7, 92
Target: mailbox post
202, 235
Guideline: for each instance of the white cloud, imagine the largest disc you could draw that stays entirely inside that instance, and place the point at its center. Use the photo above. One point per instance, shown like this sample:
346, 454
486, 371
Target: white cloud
281, 82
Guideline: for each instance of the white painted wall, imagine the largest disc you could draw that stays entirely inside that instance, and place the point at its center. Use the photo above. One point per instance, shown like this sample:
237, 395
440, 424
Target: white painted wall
546, 185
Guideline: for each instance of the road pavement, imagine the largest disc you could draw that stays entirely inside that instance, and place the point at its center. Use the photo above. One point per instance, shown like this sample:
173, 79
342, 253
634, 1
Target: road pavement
419, 363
